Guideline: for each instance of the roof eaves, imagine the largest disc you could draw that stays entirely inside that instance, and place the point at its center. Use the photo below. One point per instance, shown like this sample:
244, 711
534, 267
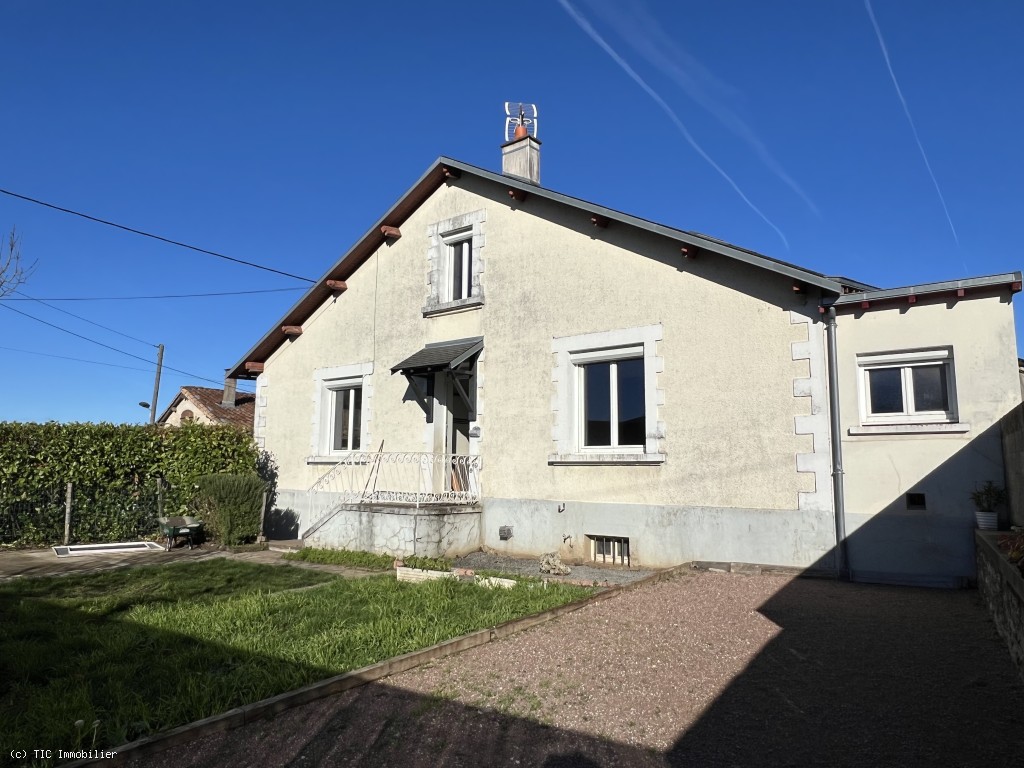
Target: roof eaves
691, 238
1011, 279
433, 178
167, 411
345, 266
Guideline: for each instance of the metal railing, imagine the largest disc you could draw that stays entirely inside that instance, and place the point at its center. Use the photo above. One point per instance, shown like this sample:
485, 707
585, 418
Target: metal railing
363, 477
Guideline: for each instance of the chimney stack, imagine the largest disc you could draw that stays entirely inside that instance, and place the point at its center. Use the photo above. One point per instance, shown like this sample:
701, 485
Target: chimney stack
230, 389
520, 158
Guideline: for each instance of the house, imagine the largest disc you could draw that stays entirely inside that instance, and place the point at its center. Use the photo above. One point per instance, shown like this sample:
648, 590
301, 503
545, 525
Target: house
494, 364
205, 405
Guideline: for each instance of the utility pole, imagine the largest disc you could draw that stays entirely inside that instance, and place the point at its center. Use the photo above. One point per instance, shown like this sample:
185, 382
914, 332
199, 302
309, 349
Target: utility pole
156, 384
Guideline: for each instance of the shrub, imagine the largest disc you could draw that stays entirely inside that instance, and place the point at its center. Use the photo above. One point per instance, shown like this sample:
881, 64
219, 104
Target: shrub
230, 506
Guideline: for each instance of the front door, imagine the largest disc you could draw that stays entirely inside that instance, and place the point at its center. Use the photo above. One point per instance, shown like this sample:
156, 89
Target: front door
452, 417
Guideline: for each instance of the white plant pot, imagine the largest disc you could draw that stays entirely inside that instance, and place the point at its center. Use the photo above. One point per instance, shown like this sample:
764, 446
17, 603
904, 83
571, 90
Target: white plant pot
987, 521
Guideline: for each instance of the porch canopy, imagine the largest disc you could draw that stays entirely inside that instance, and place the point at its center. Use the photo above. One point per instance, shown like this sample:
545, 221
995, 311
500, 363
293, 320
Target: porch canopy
455, 359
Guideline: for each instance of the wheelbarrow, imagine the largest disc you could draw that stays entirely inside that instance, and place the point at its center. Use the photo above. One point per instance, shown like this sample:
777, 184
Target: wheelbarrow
174, 527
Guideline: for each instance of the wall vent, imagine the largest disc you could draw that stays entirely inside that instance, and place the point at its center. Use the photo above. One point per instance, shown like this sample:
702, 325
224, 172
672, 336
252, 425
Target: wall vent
916, 501
609, 550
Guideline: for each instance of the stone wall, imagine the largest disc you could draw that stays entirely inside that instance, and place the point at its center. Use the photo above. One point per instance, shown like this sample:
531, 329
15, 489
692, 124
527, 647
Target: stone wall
1002, 587
1012, 425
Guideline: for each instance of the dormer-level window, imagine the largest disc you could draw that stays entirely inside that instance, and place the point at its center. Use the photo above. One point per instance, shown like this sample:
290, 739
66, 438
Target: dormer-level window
455, 265
459, 280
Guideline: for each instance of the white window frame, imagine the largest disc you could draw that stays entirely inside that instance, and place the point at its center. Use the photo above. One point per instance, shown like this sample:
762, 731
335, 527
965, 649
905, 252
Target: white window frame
349, 388
905, 362
580, 360
443, 237
327, 382
458, 247
571, 353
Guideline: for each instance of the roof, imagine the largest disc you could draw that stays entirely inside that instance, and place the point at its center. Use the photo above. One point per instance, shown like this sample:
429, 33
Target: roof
208, 401
441, 171
445, 169
949, 288
436, 357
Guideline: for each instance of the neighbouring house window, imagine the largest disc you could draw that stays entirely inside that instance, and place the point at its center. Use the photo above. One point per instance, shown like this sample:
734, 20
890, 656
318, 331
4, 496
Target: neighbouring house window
606, 398
341, 417
455, 263
907, 387
187, 416
346, 418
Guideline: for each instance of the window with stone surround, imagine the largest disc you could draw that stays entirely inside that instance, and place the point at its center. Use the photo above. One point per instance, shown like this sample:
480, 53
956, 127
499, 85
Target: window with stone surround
341, 418
606, 398
455, 264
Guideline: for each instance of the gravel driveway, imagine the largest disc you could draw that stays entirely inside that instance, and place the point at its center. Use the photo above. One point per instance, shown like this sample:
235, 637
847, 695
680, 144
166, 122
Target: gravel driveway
704, 669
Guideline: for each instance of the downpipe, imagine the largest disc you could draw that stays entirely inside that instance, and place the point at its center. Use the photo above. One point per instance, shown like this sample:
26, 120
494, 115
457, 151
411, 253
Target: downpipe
839, 500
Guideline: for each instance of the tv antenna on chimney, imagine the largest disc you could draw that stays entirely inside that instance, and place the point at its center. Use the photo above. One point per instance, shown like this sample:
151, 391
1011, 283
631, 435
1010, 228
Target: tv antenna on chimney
517, 113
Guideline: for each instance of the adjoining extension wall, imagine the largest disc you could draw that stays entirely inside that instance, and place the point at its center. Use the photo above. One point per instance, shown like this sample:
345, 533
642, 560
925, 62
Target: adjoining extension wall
735, 465
893, 537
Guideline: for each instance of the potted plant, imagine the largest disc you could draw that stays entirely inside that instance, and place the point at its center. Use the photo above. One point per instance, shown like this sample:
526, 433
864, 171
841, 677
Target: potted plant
986, 499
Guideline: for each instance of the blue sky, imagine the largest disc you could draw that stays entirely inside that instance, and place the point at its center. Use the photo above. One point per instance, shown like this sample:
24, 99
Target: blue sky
279, 132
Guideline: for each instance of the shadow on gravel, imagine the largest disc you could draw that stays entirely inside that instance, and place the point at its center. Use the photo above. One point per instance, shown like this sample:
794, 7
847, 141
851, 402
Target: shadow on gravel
867, 676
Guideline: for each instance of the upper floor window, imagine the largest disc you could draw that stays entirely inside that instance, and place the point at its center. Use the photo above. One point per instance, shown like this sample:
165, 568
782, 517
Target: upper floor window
907, 387
459, 264
455, 263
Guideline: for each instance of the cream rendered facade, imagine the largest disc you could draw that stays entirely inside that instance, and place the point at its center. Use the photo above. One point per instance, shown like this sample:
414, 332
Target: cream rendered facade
741, 445
737, 461
890, 537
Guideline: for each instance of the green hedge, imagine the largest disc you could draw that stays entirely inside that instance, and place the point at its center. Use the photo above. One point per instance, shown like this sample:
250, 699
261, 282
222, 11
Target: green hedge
115, 470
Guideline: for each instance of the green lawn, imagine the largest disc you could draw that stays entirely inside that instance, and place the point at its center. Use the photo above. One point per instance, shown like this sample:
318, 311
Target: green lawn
146, 649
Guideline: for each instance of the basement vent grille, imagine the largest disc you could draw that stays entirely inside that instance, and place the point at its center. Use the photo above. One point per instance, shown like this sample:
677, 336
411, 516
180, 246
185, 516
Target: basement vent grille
505, 532
611, 550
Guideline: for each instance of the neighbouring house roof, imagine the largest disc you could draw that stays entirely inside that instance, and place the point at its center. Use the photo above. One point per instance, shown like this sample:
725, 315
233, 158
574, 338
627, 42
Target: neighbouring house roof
836, 289
436, 357
208, 401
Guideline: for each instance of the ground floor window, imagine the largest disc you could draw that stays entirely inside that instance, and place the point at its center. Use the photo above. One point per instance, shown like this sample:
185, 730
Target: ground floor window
607, 398
907, 387
342, 402
345, 418
612, 400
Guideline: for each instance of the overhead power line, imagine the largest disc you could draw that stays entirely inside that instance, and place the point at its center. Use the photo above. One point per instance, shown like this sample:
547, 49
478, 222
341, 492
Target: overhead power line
77, 359
98, 362
85, 319
154, 237
163, 296
105, 346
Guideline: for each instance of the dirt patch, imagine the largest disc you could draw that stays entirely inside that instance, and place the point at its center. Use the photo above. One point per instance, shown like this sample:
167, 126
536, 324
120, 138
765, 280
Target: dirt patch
587, 574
